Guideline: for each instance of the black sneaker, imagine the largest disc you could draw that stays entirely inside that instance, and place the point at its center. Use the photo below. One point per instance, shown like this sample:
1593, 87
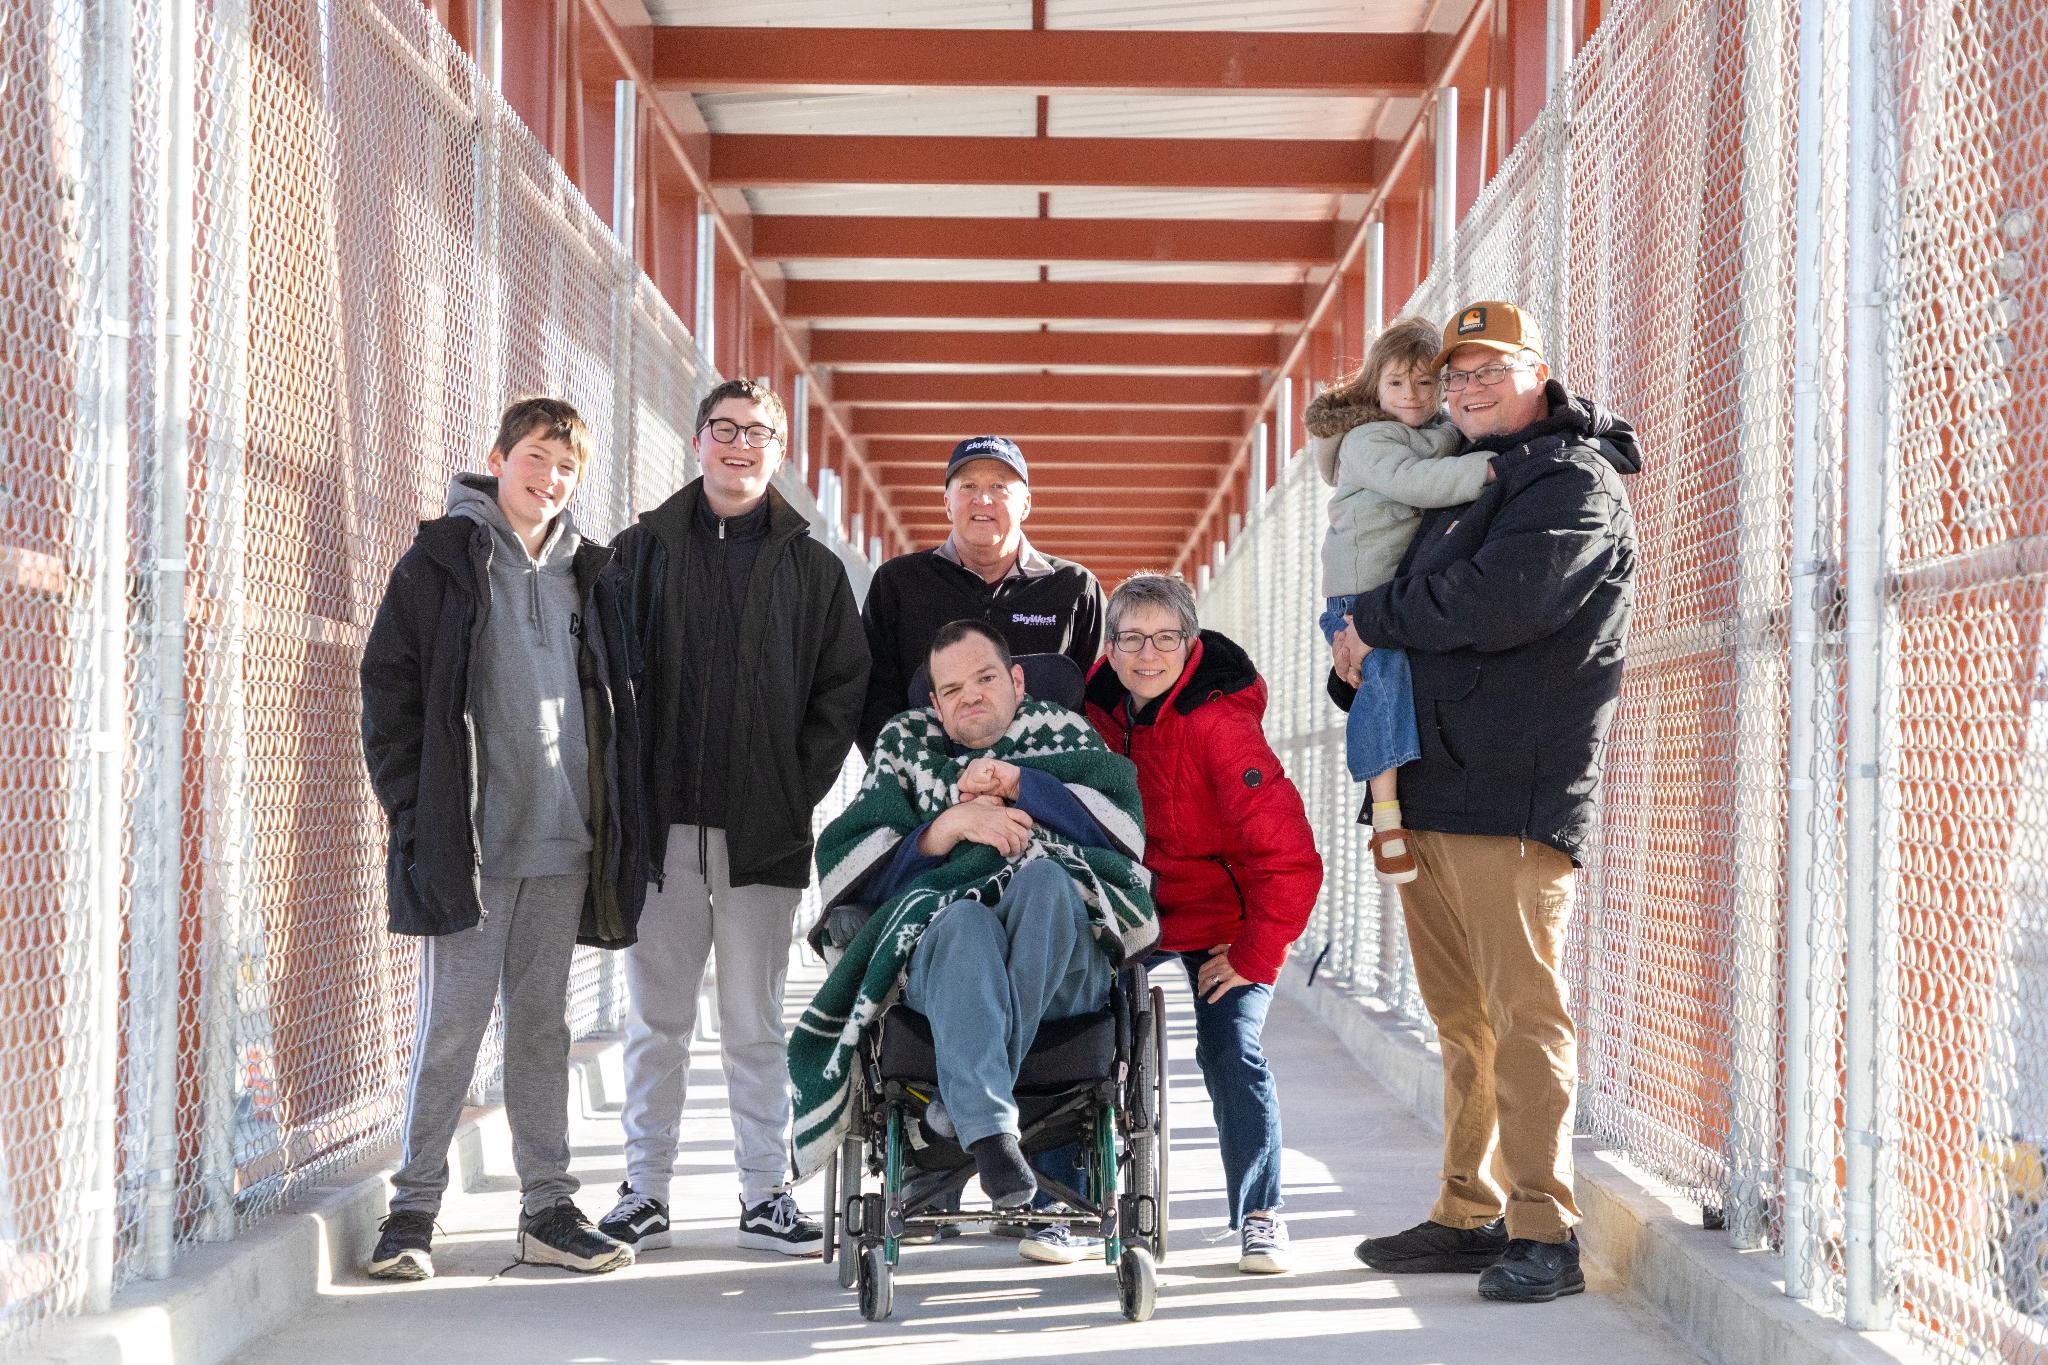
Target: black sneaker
563, 1236
777, 1224
639, 1221
405, 1250
1534, 1272
1433, 1249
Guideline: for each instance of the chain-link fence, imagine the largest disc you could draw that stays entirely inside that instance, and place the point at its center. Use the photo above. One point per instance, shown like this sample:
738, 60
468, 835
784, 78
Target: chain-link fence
271, 271
1810, 954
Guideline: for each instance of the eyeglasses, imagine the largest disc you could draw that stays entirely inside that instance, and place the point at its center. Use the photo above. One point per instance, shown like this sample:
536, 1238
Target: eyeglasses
726, 432
1489, 375
1165, 641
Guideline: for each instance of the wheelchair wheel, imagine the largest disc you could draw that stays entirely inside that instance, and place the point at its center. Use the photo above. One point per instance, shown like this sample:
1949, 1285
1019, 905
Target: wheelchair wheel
1159, 1147
847, 1163
877, 1293
1137, 1284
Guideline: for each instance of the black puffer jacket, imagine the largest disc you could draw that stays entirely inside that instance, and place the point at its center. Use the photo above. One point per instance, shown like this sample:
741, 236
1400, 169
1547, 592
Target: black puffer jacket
420, 740
1514, 609
792, 712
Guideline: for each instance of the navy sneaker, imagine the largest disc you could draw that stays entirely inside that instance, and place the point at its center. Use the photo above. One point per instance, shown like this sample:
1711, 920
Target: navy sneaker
637, 1220
405, 1247
1534, 1272
563, 1236
1434, 1249
777, 1224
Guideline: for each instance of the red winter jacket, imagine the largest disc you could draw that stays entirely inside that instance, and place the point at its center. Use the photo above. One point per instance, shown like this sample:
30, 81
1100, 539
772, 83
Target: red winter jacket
1225, 832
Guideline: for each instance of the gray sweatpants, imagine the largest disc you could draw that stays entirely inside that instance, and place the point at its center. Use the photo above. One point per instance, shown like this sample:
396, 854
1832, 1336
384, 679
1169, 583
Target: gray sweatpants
523, 944
696, 912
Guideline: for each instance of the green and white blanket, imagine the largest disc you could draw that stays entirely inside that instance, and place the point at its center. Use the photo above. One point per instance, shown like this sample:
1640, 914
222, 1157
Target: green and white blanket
914, 778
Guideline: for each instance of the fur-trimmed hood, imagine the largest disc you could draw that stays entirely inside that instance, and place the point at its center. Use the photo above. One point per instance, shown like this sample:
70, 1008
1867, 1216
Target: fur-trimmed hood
1330, 415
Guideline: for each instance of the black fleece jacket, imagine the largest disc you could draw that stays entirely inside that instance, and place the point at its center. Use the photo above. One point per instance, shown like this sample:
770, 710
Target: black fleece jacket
1514, 609
790, 712
420, 739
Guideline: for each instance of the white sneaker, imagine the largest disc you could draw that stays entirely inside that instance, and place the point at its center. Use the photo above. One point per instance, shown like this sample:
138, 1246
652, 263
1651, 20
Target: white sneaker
1262, 1245
1057, 1245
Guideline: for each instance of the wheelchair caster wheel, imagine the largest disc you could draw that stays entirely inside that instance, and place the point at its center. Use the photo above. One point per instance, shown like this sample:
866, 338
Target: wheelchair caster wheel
1137, 1284
877, 1294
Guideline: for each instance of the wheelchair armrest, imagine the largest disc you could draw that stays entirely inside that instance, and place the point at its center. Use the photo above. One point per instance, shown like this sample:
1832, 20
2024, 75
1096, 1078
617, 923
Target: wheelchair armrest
843, 924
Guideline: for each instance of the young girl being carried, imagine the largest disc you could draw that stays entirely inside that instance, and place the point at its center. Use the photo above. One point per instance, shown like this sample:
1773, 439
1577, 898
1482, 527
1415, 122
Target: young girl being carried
1381, 440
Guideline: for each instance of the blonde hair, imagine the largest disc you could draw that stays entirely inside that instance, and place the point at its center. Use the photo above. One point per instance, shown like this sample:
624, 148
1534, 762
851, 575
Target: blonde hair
1406, 342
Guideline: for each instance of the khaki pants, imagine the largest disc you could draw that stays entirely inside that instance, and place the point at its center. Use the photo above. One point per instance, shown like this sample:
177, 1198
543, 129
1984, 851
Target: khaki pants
1486, 922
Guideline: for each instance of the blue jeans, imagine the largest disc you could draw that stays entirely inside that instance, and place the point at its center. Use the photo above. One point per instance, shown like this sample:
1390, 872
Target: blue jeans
1379, 733
1242, 1094
986, 976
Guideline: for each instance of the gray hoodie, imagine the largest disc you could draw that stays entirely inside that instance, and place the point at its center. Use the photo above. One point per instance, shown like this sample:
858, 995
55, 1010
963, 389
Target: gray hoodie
1384, 472
534, 797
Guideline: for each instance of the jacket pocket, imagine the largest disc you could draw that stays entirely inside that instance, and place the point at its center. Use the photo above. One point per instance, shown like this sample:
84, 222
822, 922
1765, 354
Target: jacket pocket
1442, 690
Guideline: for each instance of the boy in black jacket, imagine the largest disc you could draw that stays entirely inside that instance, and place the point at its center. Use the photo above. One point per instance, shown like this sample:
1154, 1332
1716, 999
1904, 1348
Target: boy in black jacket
751, 669
503, 741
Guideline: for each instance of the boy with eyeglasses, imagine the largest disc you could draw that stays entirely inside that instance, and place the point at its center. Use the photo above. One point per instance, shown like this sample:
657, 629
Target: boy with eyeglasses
752, 666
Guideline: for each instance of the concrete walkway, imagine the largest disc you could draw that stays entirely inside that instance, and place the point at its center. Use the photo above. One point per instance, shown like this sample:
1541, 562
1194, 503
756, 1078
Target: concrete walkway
1356, 1163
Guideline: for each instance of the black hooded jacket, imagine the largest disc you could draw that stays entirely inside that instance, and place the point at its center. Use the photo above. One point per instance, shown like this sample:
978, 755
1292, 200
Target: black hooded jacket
420, 738
1514, 609
787, 723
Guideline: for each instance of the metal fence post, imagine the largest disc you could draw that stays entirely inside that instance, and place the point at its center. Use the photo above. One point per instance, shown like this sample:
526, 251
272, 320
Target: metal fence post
1870, 84
225, 854
1759, 655
157, 954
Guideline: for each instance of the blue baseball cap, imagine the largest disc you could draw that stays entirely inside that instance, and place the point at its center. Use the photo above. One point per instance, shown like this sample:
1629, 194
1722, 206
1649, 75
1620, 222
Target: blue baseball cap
987, 448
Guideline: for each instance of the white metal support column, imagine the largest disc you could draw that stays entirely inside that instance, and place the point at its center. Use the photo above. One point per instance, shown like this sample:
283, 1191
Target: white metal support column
1375, 283
1255, 477
707, 284
1444, 220
156, 956
800, 427
1870, 170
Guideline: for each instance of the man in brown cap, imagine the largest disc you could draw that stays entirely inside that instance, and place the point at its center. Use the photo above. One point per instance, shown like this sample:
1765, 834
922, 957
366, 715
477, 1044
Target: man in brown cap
1513, 609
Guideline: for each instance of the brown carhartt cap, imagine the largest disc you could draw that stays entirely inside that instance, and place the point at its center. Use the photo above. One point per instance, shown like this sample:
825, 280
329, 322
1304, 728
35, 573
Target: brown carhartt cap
1491, 323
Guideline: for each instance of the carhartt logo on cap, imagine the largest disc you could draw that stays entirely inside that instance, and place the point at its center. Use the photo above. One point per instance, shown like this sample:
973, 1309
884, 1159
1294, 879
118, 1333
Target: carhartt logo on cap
1471, 320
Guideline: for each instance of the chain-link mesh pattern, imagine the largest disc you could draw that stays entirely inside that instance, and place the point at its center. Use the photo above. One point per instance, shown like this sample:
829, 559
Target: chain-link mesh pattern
201, 1013
1657, 238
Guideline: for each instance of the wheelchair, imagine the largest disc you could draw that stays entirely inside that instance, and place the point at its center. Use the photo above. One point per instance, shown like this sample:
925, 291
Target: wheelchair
1096, 1082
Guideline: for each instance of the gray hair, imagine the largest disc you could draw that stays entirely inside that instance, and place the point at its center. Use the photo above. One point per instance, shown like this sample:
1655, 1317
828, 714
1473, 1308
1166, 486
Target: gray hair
1154, 590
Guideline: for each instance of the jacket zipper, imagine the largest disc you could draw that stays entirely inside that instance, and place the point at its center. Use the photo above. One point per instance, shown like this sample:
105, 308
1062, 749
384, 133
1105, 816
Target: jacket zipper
1244, 909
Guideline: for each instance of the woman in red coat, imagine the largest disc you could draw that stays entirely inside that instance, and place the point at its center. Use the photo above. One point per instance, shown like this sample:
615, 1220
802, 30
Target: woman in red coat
1236, 864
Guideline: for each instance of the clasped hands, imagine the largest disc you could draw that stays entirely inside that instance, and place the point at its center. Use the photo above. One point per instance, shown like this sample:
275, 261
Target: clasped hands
1347, 653
987, 814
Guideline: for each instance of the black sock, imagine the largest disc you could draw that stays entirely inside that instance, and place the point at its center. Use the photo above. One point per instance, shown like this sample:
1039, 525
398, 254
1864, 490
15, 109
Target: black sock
1005, 1176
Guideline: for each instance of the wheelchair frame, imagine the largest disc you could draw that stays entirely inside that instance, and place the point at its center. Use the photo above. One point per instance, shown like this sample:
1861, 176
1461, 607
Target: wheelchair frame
1124, 1134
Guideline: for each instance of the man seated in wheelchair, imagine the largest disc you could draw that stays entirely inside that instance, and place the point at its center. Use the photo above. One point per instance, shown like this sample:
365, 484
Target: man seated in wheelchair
999, 842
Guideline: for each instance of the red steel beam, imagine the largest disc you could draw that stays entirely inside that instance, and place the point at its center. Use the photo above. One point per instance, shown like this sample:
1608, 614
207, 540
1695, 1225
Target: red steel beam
1043, 300
788, 161
1139, 424
930, 452
956, 390
1049, 350
1042, 61
817, 237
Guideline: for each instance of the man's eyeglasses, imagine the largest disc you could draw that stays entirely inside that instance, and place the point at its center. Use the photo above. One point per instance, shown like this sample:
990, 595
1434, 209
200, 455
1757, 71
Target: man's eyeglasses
726, 432
1165, 641
1488, 375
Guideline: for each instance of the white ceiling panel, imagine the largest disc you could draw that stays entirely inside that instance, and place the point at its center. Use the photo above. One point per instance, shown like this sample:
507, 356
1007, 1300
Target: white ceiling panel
1001, 271
844, 13
889, 201
922, 324
908, 113
1181, 325
1275, 116
1146, 272
1330, 16
1254, 204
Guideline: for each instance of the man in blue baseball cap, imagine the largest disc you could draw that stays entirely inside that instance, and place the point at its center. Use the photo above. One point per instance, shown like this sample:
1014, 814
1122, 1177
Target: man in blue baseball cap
986, 570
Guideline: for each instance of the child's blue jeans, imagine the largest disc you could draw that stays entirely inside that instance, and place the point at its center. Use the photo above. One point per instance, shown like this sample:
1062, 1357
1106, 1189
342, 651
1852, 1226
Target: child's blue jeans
1380, 731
